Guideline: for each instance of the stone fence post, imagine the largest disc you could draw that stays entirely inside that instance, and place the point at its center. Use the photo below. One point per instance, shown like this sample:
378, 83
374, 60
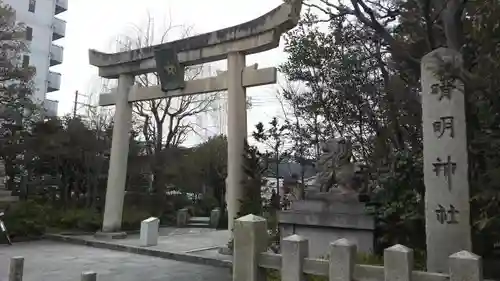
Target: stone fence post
250, 240
295, 249
465, 266
398, 263
342, 260
16, 269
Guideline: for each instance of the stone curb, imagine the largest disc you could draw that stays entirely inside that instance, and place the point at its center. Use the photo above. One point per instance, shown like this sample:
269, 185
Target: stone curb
77, 233
190, 258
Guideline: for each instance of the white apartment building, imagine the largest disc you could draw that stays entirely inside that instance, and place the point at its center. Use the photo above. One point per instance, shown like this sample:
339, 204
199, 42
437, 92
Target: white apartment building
213, 122
43, 28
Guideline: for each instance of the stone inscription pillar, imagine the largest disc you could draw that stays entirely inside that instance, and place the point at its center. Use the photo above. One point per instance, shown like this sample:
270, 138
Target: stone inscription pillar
236, 134
447, 208
115, 191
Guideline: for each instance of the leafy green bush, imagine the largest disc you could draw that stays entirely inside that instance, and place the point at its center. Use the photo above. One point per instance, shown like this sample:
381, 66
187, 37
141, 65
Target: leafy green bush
132, 218
27, 219
254, 168
30, 219
398, 206
206, 205
178, 202
79, 219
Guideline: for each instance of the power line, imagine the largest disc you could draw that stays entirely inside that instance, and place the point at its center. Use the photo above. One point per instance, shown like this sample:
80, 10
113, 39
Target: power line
76, 103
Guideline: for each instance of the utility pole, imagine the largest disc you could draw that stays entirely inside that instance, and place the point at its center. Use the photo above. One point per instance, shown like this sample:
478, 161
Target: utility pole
76, 103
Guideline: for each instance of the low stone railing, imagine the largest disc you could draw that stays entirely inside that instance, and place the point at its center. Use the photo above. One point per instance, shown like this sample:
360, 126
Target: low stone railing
251, 259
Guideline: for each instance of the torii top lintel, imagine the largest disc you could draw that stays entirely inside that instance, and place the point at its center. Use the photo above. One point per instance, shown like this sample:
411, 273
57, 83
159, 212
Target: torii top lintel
258, 35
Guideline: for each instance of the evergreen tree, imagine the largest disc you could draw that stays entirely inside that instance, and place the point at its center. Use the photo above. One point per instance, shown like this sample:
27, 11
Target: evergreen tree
16, 85
17, 111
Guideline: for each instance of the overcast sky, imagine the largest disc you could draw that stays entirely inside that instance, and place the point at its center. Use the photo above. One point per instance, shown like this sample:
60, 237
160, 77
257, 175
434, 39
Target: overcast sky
96, 23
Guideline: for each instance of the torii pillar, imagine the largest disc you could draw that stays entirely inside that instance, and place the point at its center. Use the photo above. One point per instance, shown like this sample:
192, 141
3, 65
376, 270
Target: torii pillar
236, 134
117, 175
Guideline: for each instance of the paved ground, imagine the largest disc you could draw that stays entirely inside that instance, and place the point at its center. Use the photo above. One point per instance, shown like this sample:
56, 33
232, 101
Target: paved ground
54, 261
196, 245
177, 240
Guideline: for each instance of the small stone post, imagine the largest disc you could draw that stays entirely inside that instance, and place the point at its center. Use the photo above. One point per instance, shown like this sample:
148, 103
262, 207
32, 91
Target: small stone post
465, 266
342, 260
447, 208
89, 276
182, 217
149, 232
16, 269
294, 250
250, 240
214, 217
398, 263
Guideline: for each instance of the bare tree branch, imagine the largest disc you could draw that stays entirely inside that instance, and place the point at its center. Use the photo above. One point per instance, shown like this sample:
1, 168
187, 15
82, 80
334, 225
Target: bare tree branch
166, 122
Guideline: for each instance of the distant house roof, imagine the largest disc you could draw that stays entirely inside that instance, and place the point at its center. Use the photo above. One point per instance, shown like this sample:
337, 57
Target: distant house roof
286, 170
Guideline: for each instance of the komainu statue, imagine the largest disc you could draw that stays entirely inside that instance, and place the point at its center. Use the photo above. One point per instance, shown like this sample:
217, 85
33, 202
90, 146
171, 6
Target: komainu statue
336, 172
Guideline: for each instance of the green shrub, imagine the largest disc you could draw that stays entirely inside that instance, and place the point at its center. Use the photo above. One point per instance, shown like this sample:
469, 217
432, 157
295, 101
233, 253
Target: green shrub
79, 219
398, 207
31, 219
132, 218
27, 219
178, 202
206, 205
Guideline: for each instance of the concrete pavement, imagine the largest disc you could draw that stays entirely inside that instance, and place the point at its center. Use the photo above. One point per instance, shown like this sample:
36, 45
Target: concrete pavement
195, 245
55, 261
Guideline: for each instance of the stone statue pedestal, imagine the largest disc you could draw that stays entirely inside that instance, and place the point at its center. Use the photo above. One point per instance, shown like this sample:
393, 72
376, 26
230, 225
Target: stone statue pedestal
324, 217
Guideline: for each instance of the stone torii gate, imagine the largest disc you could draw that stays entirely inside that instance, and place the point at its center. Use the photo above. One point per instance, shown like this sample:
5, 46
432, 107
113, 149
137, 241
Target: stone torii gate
169, 60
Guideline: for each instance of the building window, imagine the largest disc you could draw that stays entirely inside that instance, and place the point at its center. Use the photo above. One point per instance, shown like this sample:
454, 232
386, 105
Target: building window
29, 33
32, 6
26, 61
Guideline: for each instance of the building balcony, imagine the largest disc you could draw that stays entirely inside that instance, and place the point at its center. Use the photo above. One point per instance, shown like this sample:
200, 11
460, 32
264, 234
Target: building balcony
54, 82
58, 29
56, 55
61, 6
50, 107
